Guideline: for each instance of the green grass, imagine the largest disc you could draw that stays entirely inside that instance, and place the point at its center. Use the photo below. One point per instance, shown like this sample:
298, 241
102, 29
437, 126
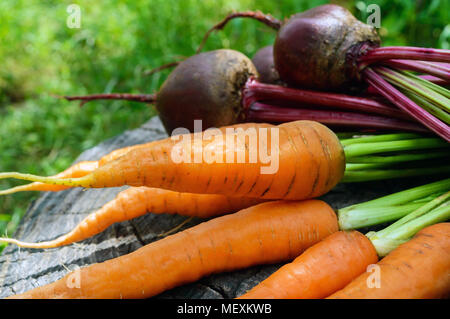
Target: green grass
117, 42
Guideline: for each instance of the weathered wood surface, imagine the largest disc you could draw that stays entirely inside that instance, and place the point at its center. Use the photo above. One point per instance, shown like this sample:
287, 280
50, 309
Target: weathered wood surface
54, 214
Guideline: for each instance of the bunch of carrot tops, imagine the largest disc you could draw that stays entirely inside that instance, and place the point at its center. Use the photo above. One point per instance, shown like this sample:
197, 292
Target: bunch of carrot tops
269, 218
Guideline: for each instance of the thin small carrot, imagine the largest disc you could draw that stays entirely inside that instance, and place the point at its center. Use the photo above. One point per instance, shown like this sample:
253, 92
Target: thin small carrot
311, 161
77, 170
321, 270
267, 233
137, 201
417, 269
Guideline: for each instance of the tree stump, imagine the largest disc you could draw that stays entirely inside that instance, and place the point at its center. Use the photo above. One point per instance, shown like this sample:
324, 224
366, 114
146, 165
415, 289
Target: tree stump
54, 214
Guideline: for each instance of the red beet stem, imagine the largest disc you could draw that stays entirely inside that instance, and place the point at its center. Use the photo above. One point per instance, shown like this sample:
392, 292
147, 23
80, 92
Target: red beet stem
144, 98
435, 69
257, 91
404, 103
267, 19
404, 53
270, 113
435, 80
163, 67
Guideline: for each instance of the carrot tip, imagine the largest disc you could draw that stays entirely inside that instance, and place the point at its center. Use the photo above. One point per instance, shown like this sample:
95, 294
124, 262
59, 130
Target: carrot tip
74, 182
26, 244
10, 191
176, 228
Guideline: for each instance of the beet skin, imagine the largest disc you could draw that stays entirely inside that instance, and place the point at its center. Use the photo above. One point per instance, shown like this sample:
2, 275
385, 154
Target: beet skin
206, 86
314, 49
263, 61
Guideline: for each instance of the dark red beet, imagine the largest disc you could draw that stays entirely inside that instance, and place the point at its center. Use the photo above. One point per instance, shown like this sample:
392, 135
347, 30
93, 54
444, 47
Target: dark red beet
312, 48
206, 86
263, 61
327, 48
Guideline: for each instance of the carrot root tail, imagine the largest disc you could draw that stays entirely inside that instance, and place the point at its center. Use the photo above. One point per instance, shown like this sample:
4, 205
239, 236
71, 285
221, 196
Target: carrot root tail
13, 190
176, 228
73, 182
46, 244
143, 98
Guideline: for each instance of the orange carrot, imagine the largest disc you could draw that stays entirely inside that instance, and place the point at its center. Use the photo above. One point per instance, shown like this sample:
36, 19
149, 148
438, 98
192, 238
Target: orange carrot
77, 170
136, 201
311, 161
84, 168
321, 270
266, 233
417, 269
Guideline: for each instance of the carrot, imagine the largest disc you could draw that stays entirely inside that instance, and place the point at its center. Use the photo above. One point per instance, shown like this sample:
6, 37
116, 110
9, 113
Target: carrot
137, 201
419, 268
311, 161
77, 170
84, 168
361, 164
267, 233
321, 270
334, 262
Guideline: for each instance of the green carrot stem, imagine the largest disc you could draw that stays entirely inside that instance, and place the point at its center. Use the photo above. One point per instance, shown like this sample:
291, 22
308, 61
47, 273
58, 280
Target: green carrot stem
428, 198
408, 195
430, 215
386, 240
364, 166
380, 174
397, 158
380, 138
423, 209
390, 207
355, 217
392, 146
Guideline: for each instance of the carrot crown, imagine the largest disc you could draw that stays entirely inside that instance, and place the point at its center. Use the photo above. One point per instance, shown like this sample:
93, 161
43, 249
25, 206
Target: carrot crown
84, 181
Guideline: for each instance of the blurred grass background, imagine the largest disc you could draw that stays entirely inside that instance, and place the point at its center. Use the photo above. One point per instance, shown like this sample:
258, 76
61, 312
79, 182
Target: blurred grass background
118, 41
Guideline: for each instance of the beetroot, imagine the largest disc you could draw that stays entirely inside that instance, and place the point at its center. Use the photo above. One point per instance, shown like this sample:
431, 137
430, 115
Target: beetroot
311, 48
221, 88
326, 48
206, 86
263, 61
